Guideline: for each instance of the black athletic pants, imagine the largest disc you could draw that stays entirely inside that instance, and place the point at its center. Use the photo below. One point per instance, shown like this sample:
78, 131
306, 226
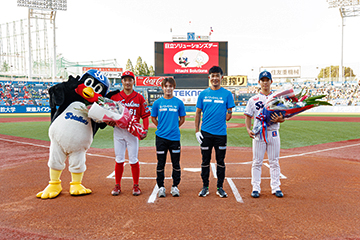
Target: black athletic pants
162, 147
219, 143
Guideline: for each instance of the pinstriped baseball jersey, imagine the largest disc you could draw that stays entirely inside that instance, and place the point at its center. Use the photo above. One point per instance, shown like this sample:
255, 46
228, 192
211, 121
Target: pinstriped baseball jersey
254, 107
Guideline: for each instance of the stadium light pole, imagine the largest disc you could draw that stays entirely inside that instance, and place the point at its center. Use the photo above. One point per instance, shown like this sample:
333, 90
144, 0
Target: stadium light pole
347, 8
43, 5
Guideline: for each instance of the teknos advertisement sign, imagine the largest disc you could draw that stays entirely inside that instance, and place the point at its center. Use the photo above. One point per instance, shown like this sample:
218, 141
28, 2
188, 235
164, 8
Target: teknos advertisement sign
190, 57
188, 96
147, 81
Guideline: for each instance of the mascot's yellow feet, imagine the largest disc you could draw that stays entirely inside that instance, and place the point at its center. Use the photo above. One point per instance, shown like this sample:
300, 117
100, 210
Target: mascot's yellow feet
76, 189
51, 191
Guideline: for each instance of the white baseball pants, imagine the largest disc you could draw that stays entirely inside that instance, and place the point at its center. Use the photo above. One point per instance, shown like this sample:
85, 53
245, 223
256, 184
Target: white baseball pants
122, 140
272, 147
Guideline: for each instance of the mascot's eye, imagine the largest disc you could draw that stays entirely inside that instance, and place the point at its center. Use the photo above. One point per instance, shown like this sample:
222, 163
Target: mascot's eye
88, 82
98, 88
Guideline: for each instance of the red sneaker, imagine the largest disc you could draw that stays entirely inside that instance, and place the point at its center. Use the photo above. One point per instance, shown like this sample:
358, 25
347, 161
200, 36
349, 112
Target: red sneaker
136, 190
117, 190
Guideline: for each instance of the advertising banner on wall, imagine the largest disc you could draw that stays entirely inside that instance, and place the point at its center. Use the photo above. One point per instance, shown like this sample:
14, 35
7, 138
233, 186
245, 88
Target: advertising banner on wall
283, 72
233, 81
108, 72
188, 96
190, 57
25, 109
148, 81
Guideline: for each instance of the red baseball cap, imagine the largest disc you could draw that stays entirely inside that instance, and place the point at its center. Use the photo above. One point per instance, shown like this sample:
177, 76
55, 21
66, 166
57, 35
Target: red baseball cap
128, 74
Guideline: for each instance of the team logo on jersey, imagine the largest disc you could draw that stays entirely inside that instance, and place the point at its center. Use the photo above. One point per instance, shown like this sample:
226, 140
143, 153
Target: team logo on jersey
257, 98
274, 133
130, 104
259, 105
70, 115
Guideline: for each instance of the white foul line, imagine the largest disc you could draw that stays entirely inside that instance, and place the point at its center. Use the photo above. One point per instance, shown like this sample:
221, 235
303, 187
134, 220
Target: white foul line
32, 144
235, 190
152, 197
281, 175
323, 150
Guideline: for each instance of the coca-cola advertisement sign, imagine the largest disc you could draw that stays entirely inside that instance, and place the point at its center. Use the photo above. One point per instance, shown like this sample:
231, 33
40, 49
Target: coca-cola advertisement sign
149, 81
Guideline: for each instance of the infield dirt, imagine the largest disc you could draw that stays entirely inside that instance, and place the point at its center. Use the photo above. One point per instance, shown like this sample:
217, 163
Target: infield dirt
321, 197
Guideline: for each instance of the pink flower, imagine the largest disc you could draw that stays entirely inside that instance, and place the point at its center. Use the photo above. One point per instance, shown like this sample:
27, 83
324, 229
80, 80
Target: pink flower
303, 98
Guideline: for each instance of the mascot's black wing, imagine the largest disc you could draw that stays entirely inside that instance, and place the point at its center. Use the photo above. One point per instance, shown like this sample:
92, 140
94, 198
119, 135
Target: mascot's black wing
62, 95
112, 93
96, 126
57, 97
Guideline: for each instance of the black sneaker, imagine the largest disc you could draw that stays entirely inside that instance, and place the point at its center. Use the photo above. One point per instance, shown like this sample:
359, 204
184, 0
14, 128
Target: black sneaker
279, 194
255, 194
220, 191
204, 192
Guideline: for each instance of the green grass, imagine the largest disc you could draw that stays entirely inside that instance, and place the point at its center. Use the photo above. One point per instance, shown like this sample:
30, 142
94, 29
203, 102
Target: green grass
21, 115
293, 133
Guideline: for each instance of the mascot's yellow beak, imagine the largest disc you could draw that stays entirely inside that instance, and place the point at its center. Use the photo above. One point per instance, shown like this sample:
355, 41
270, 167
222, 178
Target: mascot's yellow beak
88, 92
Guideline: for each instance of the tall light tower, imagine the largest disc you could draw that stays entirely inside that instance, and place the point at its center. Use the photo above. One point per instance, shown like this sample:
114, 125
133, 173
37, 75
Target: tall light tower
347, 8
42, 9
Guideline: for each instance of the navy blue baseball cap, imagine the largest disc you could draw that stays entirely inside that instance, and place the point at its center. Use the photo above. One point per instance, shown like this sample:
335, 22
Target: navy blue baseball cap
96, 74
265, 74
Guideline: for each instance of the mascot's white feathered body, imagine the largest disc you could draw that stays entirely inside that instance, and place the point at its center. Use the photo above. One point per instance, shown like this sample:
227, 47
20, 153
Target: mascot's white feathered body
71, 131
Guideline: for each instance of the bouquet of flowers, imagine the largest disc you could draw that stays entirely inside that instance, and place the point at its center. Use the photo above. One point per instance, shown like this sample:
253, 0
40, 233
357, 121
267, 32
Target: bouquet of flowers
286, 103
107, 110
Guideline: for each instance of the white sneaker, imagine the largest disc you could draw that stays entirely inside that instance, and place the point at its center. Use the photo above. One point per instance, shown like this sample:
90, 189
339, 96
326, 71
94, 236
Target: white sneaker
175, 192
161, 192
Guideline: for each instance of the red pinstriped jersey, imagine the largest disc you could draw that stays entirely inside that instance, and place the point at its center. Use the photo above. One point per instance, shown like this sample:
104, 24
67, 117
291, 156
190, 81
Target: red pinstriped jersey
135, 102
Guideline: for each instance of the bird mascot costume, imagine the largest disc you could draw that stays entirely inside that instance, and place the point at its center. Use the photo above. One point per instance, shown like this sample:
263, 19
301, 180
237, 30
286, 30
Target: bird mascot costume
71, 132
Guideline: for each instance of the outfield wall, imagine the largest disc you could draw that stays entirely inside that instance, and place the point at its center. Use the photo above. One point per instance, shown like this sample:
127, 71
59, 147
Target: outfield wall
46, 109
25, 109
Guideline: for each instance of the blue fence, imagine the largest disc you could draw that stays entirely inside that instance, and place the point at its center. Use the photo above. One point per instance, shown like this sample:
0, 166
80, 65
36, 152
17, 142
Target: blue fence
25, 109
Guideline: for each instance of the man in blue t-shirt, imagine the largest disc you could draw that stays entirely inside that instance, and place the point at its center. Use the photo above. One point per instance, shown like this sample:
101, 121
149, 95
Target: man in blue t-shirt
216, 103
168, 114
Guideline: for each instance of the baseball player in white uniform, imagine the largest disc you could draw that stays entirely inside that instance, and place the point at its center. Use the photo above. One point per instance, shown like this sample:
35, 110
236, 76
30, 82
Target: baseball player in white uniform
272, 146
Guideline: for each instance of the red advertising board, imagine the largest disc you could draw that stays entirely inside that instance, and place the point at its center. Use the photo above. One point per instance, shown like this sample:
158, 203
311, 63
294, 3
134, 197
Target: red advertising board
190, 57
109, 72
103, 69
149, 81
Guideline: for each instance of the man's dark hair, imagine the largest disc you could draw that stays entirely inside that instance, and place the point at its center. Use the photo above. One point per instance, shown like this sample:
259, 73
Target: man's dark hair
216, 69
169, 80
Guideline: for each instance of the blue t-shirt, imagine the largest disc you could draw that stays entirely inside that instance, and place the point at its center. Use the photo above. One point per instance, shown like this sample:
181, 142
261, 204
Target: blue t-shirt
214, 105
168, 112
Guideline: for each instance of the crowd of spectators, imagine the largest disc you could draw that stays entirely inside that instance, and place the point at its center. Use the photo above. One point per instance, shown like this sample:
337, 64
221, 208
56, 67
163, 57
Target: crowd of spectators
338, 94
20, 93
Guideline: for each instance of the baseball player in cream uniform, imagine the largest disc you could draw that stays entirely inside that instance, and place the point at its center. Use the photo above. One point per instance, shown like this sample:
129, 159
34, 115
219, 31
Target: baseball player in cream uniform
254, 106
